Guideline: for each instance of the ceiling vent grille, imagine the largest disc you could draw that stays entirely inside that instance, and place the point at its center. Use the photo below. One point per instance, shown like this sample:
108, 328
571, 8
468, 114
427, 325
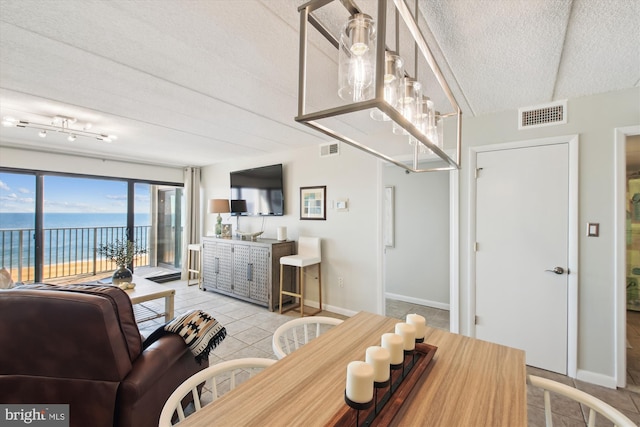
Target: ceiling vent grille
554, 113
329, 149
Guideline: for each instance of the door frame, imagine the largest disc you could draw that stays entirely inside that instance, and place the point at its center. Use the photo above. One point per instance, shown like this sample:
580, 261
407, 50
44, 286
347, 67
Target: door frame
572, 256
620, 251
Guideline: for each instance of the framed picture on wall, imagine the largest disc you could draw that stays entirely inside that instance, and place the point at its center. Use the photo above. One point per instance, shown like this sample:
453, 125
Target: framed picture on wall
313, 202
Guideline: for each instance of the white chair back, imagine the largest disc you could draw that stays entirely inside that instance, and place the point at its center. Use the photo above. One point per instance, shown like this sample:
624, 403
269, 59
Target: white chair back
309, 247
233, 371
298, 332
595, 405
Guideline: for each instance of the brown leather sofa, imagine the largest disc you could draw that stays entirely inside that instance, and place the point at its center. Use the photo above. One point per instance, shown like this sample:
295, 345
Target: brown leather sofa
80, 345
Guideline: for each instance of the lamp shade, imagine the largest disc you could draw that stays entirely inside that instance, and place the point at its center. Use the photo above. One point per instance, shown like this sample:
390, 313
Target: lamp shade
239, 206
219, 206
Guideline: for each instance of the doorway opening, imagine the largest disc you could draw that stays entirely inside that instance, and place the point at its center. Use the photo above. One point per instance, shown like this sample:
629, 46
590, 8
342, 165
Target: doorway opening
420, 257
632, 260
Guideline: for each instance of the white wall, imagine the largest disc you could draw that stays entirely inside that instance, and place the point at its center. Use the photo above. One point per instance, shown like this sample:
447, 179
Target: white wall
350, 240
59, 162
416, 269
594, 118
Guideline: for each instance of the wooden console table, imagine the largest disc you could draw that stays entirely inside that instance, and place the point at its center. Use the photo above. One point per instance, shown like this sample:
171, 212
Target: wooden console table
471, 383
246, 269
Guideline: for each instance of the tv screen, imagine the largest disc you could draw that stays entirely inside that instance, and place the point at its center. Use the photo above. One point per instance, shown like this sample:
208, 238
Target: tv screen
257, 191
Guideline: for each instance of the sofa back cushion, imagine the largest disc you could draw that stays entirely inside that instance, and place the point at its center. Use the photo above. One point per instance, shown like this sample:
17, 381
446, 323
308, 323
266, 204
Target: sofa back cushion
79, 332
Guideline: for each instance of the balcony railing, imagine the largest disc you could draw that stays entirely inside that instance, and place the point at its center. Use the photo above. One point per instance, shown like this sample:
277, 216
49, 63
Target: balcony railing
67, 251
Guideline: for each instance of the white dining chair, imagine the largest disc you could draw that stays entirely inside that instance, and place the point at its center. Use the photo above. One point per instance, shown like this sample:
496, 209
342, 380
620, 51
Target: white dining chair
237, 370
309, 254
297, 332
595, 405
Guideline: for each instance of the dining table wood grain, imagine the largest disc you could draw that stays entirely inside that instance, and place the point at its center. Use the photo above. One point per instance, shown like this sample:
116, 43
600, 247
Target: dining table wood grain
471, 383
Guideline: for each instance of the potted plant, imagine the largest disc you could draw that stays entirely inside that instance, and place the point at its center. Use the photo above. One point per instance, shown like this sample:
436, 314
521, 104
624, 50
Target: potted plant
121, 252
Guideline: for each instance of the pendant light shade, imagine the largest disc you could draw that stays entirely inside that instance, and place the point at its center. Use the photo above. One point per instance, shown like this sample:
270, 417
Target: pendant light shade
356, 58
410, 96
392, 75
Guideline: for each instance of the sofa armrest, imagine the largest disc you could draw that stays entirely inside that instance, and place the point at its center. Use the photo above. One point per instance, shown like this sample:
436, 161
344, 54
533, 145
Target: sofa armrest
159, 370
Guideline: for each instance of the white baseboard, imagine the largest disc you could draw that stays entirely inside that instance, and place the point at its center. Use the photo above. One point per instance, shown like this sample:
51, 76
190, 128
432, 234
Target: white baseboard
419, 301
339, 310
349, 313
331, 308
595, 378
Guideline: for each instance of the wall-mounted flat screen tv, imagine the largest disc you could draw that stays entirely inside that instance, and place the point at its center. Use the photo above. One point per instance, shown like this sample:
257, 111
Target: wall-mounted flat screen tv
257, 191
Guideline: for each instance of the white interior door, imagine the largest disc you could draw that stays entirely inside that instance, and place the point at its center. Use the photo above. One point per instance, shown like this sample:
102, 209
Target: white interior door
522, 232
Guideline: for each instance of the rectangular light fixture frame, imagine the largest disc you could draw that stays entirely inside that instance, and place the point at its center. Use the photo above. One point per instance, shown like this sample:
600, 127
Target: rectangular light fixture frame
312, 119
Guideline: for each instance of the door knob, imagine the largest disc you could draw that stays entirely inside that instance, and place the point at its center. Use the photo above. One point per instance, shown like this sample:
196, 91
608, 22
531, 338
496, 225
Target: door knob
557, 270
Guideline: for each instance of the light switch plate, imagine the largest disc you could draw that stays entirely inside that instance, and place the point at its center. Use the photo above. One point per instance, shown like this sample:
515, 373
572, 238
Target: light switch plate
593, 229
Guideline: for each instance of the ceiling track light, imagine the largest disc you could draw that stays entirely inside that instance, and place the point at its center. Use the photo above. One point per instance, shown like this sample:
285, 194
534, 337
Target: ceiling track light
60, 124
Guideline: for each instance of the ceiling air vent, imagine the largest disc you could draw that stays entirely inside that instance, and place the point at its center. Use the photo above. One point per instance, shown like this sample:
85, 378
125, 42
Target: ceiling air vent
554, 113
329, 149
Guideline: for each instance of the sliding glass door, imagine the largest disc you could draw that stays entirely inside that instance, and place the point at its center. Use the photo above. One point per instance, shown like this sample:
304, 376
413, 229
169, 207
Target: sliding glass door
162, 207
52, 225
80, 215
17, 219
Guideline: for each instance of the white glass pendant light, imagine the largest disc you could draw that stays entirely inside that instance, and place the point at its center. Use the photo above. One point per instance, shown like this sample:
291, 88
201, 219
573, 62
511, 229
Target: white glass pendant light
392, 76
410, 93
356, 58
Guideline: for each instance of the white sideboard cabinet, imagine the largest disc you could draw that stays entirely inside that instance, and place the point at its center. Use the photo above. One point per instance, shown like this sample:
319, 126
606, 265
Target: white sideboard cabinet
244, 269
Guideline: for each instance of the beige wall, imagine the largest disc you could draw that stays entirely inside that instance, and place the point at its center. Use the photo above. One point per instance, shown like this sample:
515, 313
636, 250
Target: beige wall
416, 268
350, 240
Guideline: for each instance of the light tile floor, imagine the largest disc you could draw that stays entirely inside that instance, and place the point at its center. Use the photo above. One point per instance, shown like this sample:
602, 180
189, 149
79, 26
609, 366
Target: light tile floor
250, 328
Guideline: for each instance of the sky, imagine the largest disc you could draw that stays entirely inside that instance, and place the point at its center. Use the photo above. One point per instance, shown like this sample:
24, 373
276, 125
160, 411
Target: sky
69, 195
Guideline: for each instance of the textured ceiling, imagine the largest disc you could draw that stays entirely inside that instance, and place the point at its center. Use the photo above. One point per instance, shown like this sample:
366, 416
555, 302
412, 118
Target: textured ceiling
200, 82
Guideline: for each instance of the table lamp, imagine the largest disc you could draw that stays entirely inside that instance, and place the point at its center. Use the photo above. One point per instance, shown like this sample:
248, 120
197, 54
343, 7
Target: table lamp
219, 206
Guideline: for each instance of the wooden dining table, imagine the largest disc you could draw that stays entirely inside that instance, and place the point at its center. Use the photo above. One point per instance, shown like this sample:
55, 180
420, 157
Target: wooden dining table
469, 383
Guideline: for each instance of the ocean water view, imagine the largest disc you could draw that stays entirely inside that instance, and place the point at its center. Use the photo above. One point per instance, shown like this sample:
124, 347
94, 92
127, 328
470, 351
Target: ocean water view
70, 239
24, 220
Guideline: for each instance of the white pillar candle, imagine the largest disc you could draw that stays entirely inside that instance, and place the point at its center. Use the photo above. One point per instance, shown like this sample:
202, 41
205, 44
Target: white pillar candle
359, 382
394, 343
379, 358
419, 322
408, 334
